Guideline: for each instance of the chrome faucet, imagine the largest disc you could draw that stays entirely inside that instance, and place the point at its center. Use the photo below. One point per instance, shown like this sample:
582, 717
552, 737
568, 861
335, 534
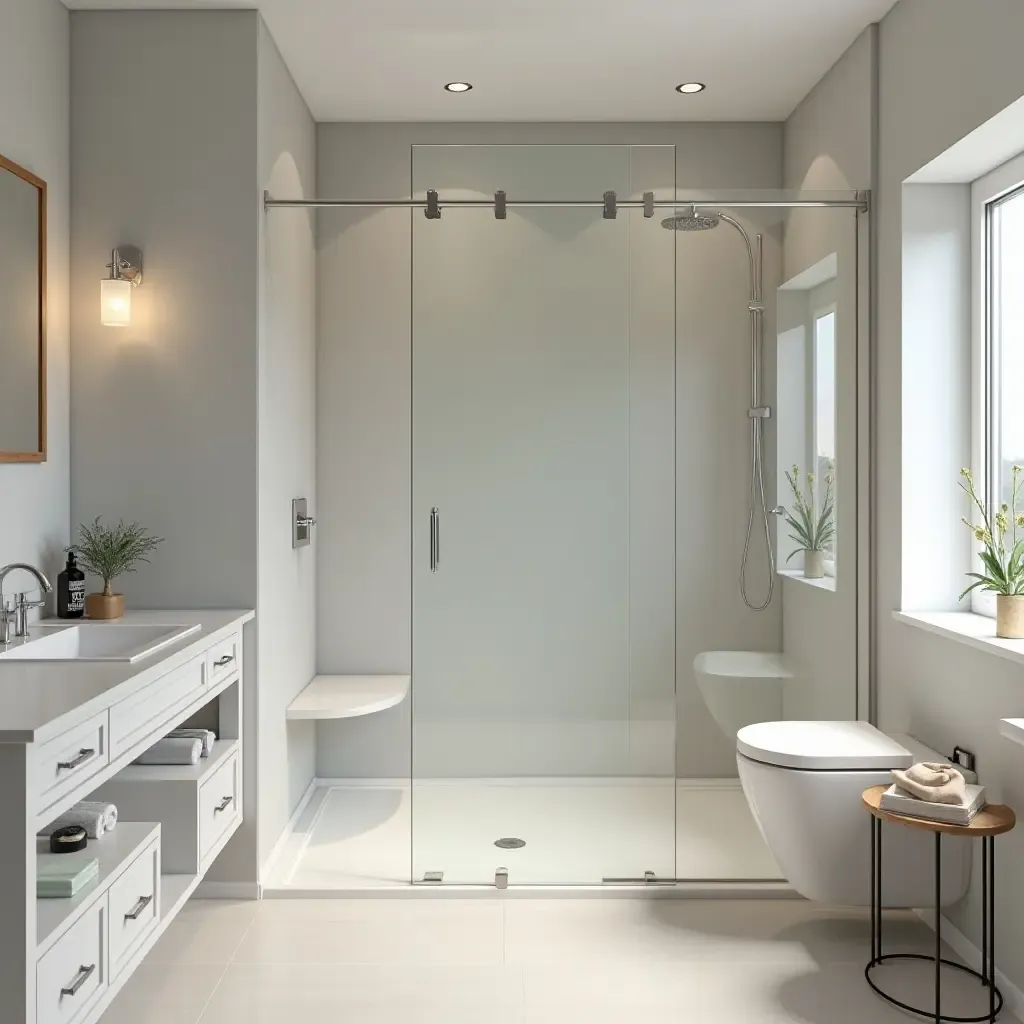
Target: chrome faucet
19, 610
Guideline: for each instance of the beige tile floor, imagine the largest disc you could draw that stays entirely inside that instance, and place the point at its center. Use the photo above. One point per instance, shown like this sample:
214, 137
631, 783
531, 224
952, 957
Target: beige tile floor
528, 961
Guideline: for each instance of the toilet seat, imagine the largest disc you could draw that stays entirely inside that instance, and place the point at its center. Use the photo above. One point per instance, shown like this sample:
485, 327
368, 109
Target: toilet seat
822, 746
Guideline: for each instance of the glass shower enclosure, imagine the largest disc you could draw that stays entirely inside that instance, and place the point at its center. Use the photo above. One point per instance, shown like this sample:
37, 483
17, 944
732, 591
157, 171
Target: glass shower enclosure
543, 520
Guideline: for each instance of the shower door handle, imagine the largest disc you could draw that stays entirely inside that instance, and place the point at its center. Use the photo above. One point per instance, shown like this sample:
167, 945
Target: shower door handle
435, 539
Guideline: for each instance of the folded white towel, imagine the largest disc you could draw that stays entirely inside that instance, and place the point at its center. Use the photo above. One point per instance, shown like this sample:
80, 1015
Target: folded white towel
208, 736
95, 817
934, 782
172, 750
109, 812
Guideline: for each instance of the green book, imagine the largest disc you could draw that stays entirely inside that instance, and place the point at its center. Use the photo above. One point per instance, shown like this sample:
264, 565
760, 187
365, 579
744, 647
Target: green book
61, 875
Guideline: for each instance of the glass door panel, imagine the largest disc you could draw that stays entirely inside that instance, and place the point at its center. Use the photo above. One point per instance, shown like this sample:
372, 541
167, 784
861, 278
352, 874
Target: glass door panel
543, 520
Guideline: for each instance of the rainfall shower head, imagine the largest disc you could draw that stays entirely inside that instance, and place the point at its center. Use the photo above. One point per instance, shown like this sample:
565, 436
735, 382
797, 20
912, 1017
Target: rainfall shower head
691, 220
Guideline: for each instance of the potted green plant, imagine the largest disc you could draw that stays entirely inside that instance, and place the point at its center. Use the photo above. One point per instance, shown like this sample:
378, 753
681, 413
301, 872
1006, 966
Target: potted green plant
1002, 555
814, 532
109, 552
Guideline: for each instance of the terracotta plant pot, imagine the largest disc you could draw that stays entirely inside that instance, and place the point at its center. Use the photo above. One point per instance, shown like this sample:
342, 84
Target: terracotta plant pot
814, 564
104, 606
1010, 617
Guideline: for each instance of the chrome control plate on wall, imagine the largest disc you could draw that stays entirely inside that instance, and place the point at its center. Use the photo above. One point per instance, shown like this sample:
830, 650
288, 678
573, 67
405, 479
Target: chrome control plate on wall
302, 523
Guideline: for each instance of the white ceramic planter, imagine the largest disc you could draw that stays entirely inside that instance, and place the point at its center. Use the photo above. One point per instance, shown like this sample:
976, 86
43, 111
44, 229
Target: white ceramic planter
814, 564
1010, 617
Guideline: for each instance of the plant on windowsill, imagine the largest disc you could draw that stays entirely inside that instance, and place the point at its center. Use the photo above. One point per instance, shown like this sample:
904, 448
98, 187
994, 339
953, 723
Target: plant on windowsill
1002, 555
814, 532
109, 552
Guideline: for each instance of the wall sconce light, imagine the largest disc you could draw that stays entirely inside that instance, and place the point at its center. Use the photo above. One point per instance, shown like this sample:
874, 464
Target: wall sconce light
116, 291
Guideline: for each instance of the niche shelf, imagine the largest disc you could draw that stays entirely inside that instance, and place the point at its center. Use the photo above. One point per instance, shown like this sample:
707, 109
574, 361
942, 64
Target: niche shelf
348, 696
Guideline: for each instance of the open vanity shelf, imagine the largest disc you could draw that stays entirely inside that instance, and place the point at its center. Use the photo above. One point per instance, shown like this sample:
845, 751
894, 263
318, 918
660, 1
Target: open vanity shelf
115, 852
348, 696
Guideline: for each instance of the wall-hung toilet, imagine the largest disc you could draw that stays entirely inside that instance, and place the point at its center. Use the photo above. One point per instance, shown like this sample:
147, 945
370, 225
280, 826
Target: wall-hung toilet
804, 780
741, 687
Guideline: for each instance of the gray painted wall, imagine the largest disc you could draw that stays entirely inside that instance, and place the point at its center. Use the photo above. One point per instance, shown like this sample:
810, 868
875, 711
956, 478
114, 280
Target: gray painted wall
829, 143
164, 413
35, 132
363, 460
933, 91
287, 402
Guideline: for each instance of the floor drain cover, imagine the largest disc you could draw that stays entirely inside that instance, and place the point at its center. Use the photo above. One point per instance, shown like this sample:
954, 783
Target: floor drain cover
510, 844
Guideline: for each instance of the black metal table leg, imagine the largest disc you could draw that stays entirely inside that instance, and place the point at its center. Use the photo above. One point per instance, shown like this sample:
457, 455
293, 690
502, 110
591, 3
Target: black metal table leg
984, 912
938, 927
988, 853
874, 891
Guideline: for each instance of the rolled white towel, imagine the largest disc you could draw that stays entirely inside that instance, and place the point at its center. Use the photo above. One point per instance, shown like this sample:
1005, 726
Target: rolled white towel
109, 812
92, 818
208, 736
172, 750
935, 782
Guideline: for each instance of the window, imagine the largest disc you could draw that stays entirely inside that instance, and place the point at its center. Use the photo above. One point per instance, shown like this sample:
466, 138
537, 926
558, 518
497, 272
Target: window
824, 409
998, 200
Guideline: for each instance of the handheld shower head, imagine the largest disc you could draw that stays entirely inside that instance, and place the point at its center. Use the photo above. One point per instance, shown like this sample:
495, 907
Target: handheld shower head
692, 220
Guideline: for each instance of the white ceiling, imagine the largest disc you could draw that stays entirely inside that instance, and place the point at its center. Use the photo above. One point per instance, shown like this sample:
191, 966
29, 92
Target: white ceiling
553, 60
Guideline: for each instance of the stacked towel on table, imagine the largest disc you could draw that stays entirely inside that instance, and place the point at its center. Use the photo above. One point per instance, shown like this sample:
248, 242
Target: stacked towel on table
933, 791
96, 817
208, 736
63, 875
173, 750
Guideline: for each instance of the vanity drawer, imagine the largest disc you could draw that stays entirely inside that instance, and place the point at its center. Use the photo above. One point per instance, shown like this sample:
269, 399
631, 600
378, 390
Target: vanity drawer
67, 760
140, 714
223, 658
218, 804
73, 974
134, 909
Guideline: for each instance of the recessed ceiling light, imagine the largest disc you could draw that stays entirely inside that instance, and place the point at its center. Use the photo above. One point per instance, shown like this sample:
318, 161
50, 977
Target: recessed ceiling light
690, 87
459, 87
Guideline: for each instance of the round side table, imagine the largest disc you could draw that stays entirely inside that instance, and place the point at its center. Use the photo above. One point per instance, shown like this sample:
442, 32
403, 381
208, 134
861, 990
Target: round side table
987, 824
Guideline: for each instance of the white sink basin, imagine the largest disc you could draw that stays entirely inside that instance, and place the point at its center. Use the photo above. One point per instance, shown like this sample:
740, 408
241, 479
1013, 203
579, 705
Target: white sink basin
94, 641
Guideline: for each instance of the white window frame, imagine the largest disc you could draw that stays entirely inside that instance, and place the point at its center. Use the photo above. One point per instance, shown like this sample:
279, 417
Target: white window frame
997, 184
816, 315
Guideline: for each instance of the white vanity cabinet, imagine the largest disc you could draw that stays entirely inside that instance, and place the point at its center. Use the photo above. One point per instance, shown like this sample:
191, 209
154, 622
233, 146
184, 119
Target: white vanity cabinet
70, 730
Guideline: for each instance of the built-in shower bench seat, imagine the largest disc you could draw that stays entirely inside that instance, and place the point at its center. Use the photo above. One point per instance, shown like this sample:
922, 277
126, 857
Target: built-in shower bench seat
348, 696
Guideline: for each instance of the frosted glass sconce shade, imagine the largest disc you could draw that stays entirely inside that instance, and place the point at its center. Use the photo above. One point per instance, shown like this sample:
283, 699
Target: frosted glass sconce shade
116, 291
115, 303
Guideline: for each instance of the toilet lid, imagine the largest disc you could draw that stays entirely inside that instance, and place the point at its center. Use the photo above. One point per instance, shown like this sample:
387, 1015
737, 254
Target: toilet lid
822, 746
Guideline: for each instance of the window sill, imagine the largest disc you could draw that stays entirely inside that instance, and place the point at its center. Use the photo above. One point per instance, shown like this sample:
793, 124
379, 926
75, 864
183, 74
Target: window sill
977, 631
825, 583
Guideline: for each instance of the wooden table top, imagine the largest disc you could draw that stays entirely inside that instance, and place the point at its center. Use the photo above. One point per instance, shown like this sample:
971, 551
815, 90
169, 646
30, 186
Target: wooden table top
992, 820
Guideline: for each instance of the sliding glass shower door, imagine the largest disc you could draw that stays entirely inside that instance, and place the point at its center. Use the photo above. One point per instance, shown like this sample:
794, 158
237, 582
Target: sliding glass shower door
543, 345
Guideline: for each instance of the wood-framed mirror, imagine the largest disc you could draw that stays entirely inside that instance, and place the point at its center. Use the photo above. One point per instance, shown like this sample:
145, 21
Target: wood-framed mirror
22, 314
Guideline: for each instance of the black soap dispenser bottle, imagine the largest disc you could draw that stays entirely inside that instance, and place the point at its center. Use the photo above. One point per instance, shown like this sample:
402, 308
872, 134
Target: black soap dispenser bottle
71, 590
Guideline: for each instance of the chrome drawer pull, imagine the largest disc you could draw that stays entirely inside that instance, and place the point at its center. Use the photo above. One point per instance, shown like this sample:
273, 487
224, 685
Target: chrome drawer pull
136, 912
83, 755
84, 974
226, 660
223, 805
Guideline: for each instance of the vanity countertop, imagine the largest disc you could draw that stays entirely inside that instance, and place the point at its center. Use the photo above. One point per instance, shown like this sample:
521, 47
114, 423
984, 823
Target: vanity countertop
39, 699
